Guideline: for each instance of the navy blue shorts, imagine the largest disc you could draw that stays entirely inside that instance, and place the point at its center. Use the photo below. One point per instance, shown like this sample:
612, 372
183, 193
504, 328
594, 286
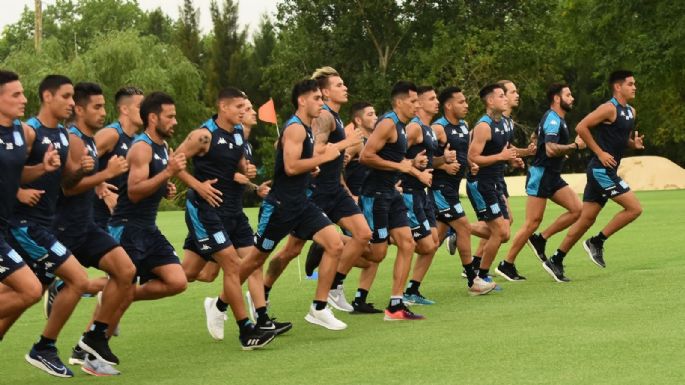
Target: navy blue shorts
205, 227
39, 248
276, 221
88, 246
239, 232
384, 212
602, 184
543, 183
101, 214
147, 247
487, 198
419, 210
447, 204
10, 260
337, 203
503, 187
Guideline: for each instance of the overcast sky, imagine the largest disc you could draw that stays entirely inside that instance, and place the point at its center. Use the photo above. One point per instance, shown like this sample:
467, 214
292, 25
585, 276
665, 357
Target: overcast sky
250, 11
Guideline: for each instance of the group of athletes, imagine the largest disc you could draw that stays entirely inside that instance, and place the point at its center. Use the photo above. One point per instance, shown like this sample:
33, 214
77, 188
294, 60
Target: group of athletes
77, 194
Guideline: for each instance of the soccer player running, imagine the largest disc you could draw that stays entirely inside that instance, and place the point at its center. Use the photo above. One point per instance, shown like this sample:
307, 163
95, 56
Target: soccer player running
381, 202
328, 191
452, 134
287, 209
214, 215
363, 119
31, 226
421, 143
90, 244
151, 164
544, 182
490, 150
614, 122
19, 288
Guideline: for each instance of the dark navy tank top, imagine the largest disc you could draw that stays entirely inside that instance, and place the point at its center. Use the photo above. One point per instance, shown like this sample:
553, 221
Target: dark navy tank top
12, 157
75, 212
355, 174
499, 137
43, 212
379, 181
144, 212
291, 191
430, 145
329, 176
613, 137
458, 139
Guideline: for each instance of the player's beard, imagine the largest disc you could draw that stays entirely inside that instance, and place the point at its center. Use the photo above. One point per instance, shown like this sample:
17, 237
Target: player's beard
566, 106
163, 134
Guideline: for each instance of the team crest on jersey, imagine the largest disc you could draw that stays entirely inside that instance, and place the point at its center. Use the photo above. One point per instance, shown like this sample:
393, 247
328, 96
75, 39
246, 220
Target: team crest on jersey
18, 141
63, 139
238, 139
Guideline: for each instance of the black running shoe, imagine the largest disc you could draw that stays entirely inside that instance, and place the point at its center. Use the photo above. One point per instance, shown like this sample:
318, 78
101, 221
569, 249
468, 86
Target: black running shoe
48, 361
50, 294
508, 271
364, 308
537, 243
555, 270
596, 252
99, 347
78, 356
255, 338
314, 256
271, 325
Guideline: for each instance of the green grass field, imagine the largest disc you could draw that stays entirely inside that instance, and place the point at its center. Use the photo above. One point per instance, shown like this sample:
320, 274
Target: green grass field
620, 325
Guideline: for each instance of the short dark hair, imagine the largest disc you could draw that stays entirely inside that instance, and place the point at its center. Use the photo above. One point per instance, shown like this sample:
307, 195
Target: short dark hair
125, 92
152, 104
619, 76
230, 93
7, 77
555, 89
52, 83
358, 108
303, 87
402, 88
423, 89
447, 94
504, 83
487, 90
83, 91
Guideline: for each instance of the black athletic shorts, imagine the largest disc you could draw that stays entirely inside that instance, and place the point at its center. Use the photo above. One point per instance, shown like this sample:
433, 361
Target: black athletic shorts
337, 203
487, 198
10, 260
384, 212
420, 212
447, 204
87, 246
603, 184
39, 248
543, 183
239, 232
276, 221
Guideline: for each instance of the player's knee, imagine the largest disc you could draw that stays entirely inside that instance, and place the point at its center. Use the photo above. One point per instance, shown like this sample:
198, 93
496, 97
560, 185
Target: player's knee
334, 249
177, 285
406, 243
32, 294
575, 212
125, 274
636, 211
363, 235
533, 223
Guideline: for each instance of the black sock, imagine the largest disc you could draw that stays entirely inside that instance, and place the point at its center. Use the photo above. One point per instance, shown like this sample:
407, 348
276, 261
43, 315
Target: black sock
470, 273
261, 314
558, 257
319, 305
45, 343
244, 325
413, 287
476, 262
221, 305
599, 238
267, 290
338, 280
395, 303
483, 273
542, 236
505, 263
99, 328
361, 295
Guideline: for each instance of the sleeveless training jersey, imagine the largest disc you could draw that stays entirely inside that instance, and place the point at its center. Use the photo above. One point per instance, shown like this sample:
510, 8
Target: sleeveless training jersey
100, 209
43, 212
385, 180
429, 144
552, 129
75, 212
458, 139
613, 137
356, 173
221, 162
329, 176
12, 158
498, 139
144, 212
290, 191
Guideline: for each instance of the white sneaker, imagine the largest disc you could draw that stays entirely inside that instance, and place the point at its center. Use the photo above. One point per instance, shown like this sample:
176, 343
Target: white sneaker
215, 319
481, 287
98, 368
324, 318
336, 298
250, 307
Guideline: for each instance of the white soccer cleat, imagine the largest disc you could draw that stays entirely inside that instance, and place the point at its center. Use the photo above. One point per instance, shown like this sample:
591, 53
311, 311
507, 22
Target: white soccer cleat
336, 298
481, 287
215, 319
324, 318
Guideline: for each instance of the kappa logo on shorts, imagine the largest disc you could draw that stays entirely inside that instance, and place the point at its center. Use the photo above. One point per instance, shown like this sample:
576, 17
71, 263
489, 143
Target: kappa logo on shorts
205, 247
3, 269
